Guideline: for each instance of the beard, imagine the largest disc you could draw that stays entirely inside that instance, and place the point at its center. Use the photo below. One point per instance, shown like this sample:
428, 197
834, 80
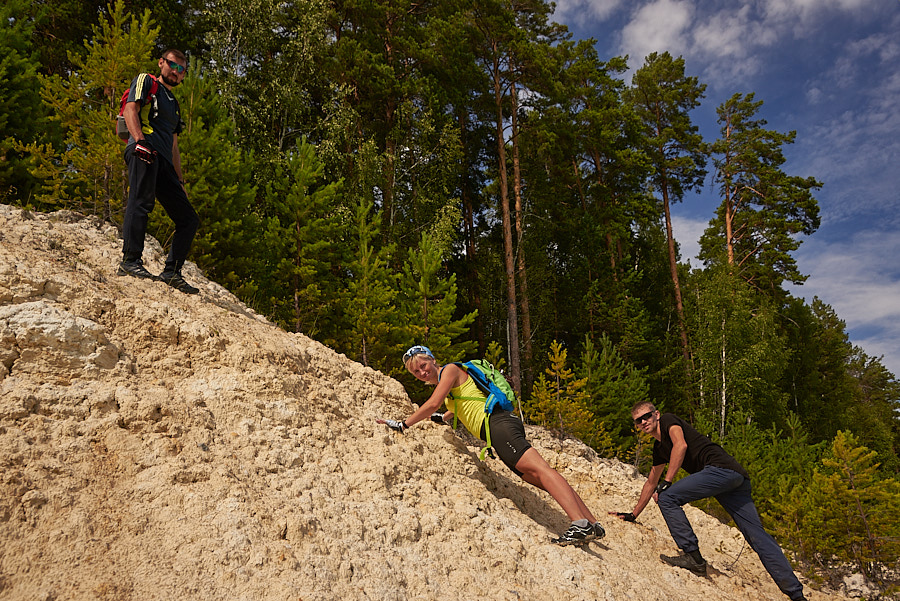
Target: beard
171, 81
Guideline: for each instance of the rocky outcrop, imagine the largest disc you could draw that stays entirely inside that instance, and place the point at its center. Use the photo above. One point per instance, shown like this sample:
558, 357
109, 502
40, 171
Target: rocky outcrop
155, 445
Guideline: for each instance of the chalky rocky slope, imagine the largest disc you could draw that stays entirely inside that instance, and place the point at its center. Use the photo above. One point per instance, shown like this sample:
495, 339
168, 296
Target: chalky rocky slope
155, 445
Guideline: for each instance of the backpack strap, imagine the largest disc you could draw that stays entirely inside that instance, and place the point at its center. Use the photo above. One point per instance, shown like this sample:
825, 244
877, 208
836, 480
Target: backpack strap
154, 88
487, 419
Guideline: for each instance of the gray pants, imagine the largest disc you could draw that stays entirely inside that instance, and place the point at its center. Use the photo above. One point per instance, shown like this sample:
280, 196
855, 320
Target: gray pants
733, 491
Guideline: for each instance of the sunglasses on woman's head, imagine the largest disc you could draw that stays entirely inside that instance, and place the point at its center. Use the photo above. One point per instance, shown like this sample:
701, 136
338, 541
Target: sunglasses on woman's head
416, 350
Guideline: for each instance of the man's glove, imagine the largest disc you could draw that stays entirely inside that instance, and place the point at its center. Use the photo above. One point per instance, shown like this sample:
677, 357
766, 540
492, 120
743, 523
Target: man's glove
394, 425
437, 418
663, 485
628, 517
145, 153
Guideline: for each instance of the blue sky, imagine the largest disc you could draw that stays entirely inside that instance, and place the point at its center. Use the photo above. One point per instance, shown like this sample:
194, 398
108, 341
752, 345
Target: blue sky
827, 69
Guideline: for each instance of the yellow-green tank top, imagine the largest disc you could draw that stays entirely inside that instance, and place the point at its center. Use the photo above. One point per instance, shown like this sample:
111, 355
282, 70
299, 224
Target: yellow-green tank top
467, 402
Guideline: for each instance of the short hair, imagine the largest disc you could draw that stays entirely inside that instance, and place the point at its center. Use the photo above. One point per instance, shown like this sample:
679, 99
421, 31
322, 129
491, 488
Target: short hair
643, 404
177, 54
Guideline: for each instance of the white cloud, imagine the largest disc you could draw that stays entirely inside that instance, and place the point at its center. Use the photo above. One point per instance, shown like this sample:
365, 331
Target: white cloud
855, 151
860, 279
687, 232
568, 11
662, 25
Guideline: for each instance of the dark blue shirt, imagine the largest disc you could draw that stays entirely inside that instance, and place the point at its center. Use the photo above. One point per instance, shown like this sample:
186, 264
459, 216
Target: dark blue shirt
160, 114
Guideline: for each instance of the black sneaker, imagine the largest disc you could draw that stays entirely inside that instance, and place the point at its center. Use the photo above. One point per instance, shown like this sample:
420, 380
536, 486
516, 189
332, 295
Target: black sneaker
575, 535
178, 283
599, 531
687, 562
135, 269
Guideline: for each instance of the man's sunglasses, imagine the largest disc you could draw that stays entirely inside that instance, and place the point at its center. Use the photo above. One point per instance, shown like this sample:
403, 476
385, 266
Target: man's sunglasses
641, 418
176, 67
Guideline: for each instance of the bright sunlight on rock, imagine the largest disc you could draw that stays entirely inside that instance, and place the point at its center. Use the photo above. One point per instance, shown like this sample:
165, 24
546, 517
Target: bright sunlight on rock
158, 445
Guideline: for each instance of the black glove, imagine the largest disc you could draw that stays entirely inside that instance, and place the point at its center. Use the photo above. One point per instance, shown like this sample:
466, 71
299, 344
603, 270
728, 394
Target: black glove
437, 418
145, 153
628, 517
663, 485
395, 425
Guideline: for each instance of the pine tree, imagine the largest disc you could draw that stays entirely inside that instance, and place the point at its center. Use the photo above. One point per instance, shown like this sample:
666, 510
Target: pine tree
561, 403
21, 109
373, 331
763, 210
87, 173
613, 387
298, 287
662, 97
845, 513
428, 304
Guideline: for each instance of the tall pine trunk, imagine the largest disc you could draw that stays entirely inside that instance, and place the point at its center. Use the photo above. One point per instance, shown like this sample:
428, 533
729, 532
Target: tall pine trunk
511, 305
520, 233
673, 268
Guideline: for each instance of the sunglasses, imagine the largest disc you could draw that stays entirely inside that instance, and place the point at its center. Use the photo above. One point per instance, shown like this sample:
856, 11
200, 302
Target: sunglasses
416, 350
641, 418
176, 67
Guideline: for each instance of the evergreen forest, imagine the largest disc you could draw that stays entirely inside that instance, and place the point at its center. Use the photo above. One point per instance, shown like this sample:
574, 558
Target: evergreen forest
467, 176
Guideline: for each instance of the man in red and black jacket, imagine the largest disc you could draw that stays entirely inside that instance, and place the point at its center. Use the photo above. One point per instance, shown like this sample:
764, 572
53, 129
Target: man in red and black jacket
713, 473
154, 171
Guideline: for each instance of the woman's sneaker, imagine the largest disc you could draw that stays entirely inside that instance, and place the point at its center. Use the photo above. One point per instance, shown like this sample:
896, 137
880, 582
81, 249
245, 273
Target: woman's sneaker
575, 535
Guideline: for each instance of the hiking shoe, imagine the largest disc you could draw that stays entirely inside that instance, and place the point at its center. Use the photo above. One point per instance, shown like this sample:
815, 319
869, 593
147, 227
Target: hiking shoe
177, 282
687, 562
135, 269
575, 535
599, 531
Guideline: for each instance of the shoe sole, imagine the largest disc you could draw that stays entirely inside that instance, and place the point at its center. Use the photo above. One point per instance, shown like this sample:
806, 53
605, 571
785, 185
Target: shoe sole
692, 571
577, 541
149, 276
182, 289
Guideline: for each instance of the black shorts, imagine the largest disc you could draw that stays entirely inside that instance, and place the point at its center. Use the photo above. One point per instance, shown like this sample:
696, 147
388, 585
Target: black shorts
507, 438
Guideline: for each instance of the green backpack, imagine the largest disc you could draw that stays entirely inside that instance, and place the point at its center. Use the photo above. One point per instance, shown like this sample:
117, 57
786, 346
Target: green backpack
497, 392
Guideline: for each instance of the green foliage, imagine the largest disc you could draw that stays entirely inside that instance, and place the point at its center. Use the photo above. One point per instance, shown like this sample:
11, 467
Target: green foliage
21, 109
428, 304
427, 307
763, 210
301, 229
662, 97
614, 386
846, 512
494, 355
87, 172
561, 403
776, 460
264, 55
374, 336
739, 356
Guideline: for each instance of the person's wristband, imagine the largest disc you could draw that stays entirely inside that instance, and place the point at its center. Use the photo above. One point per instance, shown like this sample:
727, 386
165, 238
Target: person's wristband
403, 423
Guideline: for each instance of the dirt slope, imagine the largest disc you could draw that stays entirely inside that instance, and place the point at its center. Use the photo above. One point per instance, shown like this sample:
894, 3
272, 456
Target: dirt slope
155, 445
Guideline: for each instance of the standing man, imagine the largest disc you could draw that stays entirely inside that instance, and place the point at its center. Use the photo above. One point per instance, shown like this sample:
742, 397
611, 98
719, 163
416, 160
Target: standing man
713, 473
154, 121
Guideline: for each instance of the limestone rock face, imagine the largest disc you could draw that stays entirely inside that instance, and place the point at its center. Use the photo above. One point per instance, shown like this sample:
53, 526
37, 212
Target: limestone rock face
155, 445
